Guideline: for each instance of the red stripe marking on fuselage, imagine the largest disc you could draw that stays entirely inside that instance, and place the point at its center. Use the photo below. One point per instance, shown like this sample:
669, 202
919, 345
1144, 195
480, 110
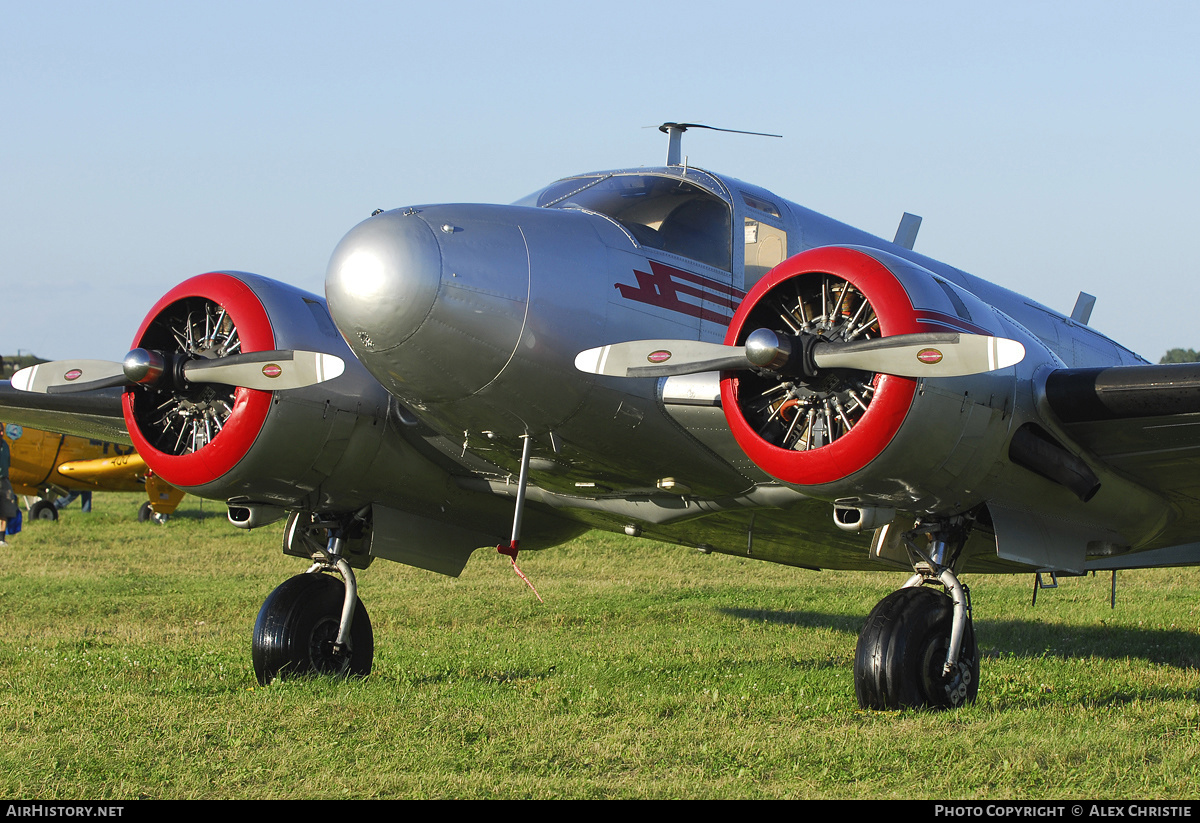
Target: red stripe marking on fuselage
660, 287
948, 321
708, 282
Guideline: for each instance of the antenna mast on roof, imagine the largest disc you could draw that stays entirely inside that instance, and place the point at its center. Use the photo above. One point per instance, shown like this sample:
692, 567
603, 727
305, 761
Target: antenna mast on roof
675, 132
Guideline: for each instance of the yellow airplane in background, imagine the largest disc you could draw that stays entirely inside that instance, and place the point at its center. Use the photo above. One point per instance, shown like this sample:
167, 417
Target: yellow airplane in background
47, 466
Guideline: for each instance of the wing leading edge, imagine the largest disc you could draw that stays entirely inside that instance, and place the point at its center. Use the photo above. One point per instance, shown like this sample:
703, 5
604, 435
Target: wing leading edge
95, 414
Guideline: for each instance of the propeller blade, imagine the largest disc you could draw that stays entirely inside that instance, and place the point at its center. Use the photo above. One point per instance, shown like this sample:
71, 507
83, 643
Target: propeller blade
906, 355
660, 358
922, 355
65, 376
266, 370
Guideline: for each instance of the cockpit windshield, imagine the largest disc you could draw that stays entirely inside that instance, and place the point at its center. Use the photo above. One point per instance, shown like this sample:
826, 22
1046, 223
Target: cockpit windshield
661, 212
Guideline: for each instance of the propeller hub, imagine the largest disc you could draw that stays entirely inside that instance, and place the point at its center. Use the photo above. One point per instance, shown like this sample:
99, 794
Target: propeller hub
767, 350
143, 366
785, 354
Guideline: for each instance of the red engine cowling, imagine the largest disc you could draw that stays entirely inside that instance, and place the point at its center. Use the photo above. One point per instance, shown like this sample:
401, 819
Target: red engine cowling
193, 438
851, 433
225, 441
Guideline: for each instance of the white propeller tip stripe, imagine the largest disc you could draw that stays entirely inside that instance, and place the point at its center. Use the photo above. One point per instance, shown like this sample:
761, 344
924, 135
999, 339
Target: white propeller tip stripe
1007, 353
329, 366
591, 361
23, 380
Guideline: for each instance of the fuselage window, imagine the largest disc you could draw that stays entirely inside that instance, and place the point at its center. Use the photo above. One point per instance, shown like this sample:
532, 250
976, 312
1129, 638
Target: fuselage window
759, 204
661, 212
766, 248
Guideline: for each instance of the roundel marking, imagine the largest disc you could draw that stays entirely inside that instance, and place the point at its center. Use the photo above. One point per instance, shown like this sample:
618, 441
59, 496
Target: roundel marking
893, 395
250, 406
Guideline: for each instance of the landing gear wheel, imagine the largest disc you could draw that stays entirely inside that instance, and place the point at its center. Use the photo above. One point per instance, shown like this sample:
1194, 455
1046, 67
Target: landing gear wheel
147, 514
43, 510
902, 650
297, 626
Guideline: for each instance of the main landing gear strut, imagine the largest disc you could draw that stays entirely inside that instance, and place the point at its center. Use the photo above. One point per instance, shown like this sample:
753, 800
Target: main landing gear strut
918, 648
314, 623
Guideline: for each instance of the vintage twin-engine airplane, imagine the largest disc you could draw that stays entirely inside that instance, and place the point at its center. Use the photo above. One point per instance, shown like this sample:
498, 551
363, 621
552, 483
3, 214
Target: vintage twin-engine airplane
668, 353
47, 465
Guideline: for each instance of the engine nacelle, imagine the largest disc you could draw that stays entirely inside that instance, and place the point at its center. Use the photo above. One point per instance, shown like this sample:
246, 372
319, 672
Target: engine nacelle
227, 442
872, 440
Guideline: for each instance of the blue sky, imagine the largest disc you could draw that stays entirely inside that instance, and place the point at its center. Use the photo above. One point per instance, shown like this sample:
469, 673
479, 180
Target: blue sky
1051, 148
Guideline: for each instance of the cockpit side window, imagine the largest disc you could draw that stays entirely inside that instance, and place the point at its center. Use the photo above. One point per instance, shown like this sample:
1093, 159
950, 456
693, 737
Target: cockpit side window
661, 212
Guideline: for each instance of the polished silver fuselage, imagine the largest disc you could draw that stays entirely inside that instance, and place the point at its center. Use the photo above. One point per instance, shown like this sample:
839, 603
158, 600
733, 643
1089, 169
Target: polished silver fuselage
471, 316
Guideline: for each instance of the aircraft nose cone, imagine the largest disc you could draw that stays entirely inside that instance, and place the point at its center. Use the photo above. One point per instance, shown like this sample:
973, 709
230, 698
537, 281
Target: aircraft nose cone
432, 301
382, 281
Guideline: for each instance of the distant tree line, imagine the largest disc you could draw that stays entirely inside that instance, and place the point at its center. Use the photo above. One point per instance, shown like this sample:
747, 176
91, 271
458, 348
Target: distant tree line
1181, 356
10, 363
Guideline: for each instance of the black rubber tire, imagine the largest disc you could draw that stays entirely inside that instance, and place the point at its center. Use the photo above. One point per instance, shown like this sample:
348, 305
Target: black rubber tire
902, 650
43, 510
296, 627
145, 512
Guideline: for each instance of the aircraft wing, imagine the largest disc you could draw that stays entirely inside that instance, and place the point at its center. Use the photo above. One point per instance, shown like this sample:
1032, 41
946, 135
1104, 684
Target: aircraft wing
1162, 453
93, 414
1142, 421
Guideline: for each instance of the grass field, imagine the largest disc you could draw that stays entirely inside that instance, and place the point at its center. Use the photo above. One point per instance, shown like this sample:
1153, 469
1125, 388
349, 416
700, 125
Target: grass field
650, 671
